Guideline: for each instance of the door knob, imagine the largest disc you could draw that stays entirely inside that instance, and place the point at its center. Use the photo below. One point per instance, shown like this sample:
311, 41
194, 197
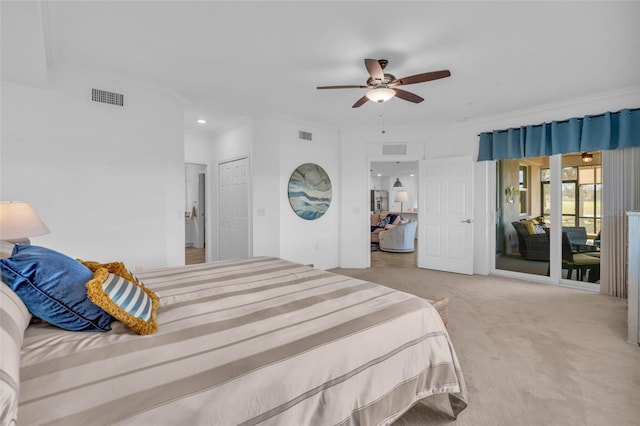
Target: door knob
466, 221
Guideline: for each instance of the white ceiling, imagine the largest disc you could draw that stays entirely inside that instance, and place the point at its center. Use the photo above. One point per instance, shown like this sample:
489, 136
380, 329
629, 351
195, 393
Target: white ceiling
229, 59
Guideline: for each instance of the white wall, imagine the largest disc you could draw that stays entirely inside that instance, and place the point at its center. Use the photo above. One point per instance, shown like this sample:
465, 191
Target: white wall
198, 147
234, 143
108, 181
447, 141
309, 241
275, 151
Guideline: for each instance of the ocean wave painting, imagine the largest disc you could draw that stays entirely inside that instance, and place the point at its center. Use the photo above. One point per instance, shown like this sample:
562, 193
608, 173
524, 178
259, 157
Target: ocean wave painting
309, 191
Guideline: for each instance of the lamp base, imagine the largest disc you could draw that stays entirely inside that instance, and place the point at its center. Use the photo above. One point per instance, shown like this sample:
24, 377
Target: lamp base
6, 248
18, 241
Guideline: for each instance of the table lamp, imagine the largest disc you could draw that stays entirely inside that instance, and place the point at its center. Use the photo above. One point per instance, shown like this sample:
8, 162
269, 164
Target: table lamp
18, 222
401, 197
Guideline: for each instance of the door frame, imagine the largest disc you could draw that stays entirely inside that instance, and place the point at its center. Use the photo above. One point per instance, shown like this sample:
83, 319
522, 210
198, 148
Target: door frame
383, 159
207, 198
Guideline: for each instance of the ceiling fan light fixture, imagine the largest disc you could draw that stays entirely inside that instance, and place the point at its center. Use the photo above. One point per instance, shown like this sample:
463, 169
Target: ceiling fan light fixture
381, 94
587, 157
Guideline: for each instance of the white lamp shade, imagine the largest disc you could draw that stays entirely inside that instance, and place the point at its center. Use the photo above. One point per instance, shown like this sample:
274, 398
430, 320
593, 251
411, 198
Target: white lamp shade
18, 221
381, 94
402, 197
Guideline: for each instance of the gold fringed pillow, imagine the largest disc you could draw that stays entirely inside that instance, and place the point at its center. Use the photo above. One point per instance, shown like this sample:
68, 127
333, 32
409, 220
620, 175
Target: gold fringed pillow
128, 301
117, 268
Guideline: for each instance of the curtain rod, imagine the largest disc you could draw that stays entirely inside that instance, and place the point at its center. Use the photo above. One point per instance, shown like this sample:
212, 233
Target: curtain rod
564, 121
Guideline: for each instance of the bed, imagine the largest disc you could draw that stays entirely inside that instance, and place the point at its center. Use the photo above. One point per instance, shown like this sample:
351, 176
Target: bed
245, 342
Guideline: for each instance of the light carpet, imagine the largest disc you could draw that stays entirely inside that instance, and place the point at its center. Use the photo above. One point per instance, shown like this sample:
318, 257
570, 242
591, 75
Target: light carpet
531, 354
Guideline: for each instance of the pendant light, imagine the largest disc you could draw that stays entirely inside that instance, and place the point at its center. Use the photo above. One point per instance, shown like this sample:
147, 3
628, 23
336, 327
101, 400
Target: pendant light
397, 183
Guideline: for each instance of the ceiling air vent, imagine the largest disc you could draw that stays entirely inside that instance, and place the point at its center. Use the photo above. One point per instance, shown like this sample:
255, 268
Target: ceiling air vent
304, 135
105, 97
398, 149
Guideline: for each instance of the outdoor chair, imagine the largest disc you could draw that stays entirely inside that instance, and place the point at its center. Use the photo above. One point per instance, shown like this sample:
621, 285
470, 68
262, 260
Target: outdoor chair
582, 263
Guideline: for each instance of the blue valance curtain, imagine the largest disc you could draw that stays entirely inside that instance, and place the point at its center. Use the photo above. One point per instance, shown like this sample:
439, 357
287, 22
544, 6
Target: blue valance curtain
611, 130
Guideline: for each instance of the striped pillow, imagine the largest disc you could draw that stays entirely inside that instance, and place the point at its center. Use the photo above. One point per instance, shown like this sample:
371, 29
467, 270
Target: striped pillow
130, 302
14, 319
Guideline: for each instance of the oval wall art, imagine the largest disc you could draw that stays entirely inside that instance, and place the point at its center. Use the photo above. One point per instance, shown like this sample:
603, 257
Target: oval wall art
309, 191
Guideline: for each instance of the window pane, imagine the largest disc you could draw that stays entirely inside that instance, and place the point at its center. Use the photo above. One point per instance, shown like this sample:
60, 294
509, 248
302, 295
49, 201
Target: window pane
546, 200
568, 220
545, 175
587, 200
588, 223
523, 177
599, 201
580, 208
524, 205
569, 198
569, 173
523, 185
587, 175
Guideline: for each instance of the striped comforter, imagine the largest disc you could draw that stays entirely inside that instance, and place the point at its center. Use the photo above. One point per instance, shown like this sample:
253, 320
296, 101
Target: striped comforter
252, 341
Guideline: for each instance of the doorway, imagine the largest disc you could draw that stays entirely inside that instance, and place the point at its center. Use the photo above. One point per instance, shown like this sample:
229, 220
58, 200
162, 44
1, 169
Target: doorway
195, 213
533, 195
387, 179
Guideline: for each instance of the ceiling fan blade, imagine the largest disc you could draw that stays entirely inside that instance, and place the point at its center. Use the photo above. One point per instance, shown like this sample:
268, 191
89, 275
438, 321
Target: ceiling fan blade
343, 87
420, 78
360, 102
408, 96
374, 68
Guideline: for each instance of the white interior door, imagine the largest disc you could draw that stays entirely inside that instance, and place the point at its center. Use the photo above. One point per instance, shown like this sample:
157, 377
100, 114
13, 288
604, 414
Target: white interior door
445, 218
200, 222
233, 209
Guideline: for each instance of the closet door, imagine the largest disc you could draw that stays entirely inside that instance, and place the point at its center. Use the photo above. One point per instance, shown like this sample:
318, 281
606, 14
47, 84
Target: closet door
233, 209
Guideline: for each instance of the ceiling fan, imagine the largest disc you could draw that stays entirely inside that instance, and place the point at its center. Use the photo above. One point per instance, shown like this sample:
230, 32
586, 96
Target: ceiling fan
383, 86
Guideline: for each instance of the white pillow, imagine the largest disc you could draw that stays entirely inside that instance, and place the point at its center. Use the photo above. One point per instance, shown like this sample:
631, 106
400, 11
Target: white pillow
538, 229
14, 319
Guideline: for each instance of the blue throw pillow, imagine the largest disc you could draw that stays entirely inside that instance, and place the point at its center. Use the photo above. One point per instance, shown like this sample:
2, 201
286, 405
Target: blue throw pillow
52, 286
384, 222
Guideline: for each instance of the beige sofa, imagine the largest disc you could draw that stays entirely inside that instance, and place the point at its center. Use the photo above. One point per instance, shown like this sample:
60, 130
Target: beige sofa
399, 239
375, 221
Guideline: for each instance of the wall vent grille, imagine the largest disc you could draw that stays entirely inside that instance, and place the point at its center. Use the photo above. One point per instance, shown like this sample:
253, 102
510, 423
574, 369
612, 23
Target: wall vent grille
397, 149
105, 97
307, 136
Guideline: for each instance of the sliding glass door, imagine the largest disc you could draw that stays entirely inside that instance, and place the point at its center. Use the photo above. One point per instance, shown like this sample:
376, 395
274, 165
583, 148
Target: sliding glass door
525, 230
581, 218
522, 216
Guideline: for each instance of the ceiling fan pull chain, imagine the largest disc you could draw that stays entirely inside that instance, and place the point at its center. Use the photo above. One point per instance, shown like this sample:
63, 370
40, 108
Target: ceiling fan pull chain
382, 117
